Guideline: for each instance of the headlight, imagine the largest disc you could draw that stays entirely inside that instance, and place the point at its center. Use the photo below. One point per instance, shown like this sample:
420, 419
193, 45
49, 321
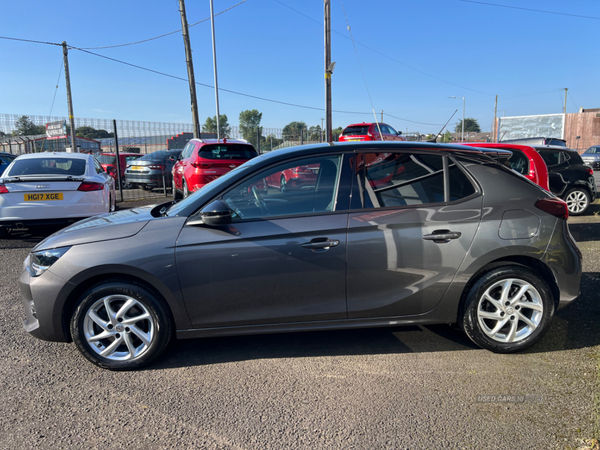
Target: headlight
39, 262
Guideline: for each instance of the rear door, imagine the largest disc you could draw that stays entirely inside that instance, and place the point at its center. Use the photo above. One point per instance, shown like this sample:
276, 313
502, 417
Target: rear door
413, 218
559, 170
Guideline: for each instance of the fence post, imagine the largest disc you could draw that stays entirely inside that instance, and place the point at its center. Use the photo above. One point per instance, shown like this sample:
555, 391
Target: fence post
118, 160
302, 136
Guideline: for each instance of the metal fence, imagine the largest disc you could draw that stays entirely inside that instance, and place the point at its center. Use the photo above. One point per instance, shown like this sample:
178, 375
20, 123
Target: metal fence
26, 134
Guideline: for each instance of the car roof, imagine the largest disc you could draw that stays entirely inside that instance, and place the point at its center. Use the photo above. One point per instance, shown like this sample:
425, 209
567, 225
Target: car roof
121, 153
382, 146
365, 124
55, 154
220, 141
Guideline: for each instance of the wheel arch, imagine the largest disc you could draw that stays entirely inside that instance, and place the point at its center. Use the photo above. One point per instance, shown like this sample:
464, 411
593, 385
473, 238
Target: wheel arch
162, 293
534, 264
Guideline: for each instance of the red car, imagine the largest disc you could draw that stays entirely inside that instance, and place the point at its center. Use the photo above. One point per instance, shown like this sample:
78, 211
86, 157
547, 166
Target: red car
109, 163
524, 160
293, 178
370, 132
205, 160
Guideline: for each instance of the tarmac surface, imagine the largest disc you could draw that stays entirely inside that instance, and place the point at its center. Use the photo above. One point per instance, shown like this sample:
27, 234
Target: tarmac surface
387, 388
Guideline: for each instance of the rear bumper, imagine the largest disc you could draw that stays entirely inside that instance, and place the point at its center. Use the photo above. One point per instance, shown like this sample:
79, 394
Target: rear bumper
148, 180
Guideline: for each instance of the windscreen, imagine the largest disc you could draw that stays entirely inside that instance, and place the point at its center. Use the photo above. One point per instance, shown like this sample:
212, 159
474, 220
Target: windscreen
228, 151
48, 166
107, 159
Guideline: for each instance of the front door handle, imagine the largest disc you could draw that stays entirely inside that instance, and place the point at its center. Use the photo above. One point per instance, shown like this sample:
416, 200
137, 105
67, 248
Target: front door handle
321, 244
442, 236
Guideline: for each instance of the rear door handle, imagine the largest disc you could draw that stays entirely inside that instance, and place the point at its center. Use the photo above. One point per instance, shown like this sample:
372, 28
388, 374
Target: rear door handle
442, 236
321, 244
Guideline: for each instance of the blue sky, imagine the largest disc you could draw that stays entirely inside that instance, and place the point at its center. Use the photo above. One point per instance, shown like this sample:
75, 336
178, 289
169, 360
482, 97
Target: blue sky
414, 56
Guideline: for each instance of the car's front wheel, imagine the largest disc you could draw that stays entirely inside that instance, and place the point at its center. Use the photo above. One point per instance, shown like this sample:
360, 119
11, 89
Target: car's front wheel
176, 194
578, 201
508, 309
121, 325
185, 189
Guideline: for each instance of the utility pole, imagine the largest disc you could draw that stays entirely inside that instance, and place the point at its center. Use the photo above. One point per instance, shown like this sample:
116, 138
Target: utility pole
190, 69
212, 24
565, 105
495, 137
328, 71
69, 98
382, 116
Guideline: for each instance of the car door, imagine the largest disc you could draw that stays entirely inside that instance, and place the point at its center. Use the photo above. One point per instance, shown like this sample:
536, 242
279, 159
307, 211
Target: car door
281, 260
413, 218
559, 171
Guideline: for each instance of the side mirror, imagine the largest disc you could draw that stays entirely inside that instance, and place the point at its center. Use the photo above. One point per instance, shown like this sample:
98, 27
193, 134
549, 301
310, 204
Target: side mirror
111, 170
399, 133
216, 213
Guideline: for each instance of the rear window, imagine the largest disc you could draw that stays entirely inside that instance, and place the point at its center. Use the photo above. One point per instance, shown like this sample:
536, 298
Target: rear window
48, 166
230, 151
107, 159
356, 131
159, 155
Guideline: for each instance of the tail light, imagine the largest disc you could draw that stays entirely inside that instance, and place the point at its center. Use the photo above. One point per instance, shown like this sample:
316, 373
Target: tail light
156, 167
87, 186
201, 165
589, 170
553, 206
3, 189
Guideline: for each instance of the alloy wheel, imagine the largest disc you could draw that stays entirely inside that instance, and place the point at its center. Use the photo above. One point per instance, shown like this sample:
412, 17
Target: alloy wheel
510, 310
577, 201
118, 328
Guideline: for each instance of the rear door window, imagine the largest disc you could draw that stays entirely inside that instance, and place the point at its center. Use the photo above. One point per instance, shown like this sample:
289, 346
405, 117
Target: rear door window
519, 162
405, 179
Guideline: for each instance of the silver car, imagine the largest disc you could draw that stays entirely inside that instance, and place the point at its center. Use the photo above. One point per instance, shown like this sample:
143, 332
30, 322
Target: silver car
386, 233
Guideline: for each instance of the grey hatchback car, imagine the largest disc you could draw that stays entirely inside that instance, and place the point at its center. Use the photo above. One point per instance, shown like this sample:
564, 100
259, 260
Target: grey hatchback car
377, 234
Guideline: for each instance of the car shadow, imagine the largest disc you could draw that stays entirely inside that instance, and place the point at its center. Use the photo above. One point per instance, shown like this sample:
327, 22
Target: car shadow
585, 231
368, 341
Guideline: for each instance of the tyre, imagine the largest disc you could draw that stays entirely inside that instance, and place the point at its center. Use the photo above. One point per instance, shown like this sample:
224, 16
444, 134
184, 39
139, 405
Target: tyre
112, 203
125, 184
185, 189
146, 187
121, 325
578, 201
176, 194
4, 234
508, 309
282, 184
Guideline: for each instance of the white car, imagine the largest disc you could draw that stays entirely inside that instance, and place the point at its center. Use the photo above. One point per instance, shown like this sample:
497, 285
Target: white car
41, 189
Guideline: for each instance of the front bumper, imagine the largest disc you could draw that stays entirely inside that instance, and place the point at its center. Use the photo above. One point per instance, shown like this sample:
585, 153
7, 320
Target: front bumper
43, 300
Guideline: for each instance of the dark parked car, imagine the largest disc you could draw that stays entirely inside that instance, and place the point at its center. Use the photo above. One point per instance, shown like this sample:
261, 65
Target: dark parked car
592, 157
152, 170
109, 163
570, 178
5, 160
389, 233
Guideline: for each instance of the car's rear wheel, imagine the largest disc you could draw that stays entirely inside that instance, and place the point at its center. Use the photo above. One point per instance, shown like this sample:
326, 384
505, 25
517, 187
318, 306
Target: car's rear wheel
282, 184
176, 194
578, 201
508, 309
125, 184
121, 325
113, 203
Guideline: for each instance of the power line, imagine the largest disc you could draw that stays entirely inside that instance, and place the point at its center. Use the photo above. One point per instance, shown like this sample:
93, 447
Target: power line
209, 86
387, 56
29, 40
162, 35
56, 90
532, 10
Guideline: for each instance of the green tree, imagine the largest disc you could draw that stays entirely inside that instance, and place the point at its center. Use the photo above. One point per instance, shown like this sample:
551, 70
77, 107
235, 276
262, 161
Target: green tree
91, 133
293, 131
446, 137
270, 143
471, 126
314, 133
336, 132
25, 127
249, 122
210, 126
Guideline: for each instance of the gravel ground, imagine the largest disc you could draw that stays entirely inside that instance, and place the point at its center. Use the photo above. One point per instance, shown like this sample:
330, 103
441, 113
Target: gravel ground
394, 388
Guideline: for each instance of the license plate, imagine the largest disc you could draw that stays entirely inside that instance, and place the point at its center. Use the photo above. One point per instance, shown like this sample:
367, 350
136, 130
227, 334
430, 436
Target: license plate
43, 196
136, 168
354, 139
